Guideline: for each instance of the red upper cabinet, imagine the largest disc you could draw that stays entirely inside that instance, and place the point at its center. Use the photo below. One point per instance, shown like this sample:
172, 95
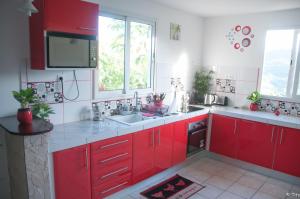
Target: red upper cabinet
143, 154
287, 158
180, 141
224, 135
72, 173
71, 16
67, 16
256, 142
163, 147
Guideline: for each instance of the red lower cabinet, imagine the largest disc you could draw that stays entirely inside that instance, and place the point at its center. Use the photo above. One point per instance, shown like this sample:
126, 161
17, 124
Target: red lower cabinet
256, 142
287, 158
180, 142
262, 144
143, 155
224, 135
163, 147
72, 173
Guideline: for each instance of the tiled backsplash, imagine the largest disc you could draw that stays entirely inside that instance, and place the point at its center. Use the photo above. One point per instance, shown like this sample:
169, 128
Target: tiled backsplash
285, 108
108, 107
225, 85
237, 83
48, 92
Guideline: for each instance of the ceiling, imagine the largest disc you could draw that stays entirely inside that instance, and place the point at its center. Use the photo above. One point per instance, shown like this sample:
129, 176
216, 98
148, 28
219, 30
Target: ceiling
211, 8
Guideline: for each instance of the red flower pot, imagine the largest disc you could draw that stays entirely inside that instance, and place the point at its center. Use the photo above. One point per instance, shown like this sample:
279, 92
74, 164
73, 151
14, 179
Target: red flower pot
24, 115
253, 107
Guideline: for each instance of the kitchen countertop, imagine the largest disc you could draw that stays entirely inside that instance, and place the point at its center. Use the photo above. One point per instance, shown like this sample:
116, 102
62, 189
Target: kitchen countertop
258, 116
73, 134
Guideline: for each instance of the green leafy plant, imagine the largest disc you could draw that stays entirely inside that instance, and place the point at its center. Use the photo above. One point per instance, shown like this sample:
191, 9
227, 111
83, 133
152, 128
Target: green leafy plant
254, 97
42, 110
25, 97
202, 84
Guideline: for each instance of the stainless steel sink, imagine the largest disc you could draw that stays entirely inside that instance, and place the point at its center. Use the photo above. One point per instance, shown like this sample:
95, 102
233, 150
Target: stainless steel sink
131, 119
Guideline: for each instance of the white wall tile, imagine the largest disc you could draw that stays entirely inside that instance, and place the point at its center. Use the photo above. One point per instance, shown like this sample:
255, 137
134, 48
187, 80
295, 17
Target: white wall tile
58, 117
81, 74
74, 110
245, 87
85, 90
247, 74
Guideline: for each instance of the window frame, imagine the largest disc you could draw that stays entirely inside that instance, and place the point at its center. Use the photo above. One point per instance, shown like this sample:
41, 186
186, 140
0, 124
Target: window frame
126, 91
294, 70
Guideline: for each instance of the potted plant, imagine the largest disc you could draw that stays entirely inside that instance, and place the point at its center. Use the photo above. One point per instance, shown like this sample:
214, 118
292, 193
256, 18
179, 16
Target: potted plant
42, 110
202, 84
255, 98
25, 97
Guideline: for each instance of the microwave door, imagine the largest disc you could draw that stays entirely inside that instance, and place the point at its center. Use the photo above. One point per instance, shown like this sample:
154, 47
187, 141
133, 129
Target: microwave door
66, 52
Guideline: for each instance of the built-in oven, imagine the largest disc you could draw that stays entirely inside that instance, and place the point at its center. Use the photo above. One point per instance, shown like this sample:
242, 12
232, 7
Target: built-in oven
64, 50
197, 136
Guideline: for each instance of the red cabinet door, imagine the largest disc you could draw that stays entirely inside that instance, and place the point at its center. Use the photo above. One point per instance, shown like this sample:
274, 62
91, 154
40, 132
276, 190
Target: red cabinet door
223, 135
287, 158
72, 173
71, 16
163, 147
256, 142
143, 155
180, 142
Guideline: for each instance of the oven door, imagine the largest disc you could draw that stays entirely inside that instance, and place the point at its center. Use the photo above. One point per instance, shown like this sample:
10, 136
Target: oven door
70, 51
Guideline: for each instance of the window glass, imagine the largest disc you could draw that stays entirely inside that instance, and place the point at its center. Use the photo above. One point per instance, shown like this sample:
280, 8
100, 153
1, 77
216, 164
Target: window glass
277, 62
111, 54
140, 55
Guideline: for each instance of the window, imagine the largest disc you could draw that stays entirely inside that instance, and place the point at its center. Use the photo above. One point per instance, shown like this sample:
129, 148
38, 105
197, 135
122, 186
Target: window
126, 51
280, 75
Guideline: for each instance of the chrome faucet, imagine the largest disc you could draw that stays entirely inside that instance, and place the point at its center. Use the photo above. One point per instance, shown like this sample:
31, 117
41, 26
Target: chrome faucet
136, 97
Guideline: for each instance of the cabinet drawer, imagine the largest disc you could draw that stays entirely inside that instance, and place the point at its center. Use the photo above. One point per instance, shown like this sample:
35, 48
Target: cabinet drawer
101, 173
110, 187
112, 146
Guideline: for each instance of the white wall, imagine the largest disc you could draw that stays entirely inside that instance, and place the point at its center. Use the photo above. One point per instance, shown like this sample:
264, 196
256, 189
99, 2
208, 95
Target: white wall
174, 58
232, 64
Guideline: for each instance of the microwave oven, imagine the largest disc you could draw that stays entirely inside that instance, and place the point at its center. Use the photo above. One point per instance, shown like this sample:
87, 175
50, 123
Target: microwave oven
71, 51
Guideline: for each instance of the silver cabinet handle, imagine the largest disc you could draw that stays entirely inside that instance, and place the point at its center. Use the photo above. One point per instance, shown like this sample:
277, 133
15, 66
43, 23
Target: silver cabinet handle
272, 134
158, 136
87, 28
114, 172
113, 144
86, 158
115, 157
108, 190
234, 126
152, 144
281, 136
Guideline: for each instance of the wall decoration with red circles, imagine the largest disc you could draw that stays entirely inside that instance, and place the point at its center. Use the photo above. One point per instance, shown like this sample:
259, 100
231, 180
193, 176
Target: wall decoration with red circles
240, 37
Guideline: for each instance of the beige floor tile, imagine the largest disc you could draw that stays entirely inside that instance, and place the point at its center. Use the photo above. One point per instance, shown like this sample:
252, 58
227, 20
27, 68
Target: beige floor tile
210, 192
295, 188
228, 195
196, 196
229, 174
260, 195
274, 190
256, 175
219, 182
242, 190
280, 183
251, 182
